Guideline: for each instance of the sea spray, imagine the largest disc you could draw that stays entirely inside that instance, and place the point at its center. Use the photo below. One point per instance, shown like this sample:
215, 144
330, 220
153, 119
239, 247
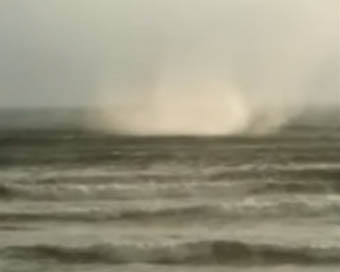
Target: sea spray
227, 68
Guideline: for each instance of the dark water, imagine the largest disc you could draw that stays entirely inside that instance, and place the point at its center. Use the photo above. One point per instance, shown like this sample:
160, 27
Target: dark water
74, 200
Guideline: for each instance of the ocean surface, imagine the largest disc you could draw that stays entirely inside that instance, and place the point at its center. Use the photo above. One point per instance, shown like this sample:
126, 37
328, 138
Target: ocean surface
84, 201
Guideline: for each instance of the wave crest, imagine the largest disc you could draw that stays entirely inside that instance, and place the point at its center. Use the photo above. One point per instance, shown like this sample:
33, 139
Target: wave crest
190, 253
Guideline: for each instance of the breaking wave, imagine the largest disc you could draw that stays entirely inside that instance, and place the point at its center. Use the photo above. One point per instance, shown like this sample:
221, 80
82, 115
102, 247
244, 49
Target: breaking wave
115, 191
186, 253
248, 208
249, 179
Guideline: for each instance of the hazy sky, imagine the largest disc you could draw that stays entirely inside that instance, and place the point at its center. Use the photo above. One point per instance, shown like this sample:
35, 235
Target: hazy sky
73, 52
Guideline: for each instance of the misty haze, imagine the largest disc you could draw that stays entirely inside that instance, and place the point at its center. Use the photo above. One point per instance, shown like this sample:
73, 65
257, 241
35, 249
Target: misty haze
175, 135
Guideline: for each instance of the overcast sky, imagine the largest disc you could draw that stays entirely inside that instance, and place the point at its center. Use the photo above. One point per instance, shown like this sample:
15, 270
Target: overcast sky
74, 52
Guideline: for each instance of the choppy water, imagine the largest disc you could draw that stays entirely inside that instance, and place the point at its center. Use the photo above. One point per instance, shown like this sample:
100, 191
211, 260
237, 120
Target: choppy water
72, 200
